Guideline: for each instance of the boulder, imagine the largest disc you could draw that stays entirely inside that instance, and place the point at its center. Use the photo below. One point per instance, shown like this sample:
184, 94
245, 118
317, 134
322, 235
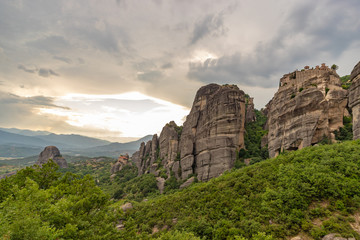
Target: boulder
187, 183
51, 152
333, 236
126, 206
160, 182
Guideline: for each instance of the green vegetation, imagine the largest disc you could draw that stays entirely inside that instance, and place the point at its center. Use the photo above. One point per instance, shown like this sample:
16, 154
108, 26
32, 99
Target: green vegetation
345, 133
334, 67
314, 191
301, 89
98, 168
253, 134
126, 184
345, 82
39, 203
132, 187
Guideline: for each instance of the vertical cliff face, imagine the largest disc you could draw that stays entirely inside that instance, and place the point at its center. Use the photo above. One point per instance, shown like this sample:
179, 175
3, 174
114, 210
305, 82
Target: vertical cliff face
250, 110
308, 106
207, 143
160, 152
354, 99
212, 132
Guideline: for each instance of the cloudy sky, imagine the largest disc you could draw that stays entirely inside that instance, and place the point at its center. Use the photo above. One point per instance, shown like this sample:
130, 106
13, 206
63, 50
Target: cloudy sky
123, 68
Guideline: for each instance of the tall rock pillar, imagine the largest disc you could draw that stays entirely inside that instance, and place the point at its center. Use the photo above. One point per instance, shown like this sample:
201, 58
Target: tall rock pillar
212, 132
354, 99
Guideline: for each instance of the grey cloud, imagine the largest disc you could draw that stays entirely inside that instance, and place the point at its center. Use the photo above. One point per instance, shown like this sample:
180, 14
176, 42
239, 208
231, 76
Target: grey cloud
35, 101
109, 38
43, 72
211, 24
229, 69
52, 44
167, 66
309, 33
25, 69
145, 65
63, 59
150, 76
81, 61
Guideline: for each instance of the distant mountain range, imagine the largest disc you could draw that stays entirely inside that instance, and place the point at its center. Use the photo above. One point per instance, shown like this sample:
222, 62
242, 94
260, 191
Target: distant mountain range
24, 143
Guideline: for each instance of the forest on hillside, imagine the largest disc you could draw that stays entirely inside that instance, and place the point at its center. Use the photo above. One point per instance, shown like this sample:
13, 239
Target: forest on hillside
311, 192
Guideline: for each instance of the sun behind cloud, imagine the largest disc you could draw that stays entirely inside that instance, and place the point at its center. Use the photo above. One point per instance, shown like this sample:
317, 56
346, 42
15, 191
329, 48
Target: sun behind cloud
129, 114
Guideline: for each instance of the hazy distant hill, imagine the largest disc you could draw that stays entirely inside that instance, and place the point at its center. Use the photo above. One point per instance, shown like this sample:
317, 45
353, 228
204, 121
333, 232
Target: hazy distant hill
17, 139
73, 140
112, 149
24, 143
12, 151
25, 132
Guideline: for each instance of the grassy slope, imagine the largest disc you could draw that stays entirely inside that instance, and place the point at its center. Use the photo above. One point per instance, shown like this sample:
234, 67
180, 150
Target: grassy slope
313, 191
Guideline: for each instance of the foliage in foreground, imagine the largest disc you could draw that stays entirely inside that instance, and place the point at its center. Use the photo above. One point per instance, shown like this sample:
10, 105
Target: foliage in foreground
37, 203
314, 191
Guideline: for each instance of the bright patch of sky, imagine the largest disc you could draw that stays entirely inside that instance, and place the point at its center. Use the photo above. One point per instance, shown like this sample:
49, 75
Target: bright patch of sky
128, 114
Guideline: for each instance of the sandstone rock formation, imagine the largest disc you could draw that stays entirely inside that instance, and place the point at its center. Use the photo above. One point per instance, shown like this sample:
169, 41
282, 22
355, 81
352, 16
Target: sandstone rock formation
159, 152
250, 110
212, 132
160, 183
308, 106
207, 144
354, 99
187, 183
51, 152
123, 160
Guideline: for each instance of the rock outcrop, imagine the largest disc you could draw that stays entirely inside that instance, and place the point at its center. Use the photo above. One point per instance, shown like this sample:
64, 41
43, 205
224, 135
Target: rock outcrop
354, 99
308, 107
51, 152
160, 152
250, 115
212, 132
123, 160
207, 143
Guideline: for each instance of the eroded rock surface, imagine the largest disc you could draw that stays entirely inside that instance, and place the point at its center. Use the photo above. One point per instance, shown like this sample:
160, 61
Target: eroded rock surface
308, 107
354, 100
51, 152
160, 152
123, 160
212, 132
250, 110
207, 143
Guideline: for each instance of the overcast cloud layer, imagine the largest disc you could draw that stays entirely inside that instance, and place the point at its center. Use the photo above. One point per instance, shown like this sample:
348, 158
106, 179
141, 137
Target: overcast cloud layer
163, 49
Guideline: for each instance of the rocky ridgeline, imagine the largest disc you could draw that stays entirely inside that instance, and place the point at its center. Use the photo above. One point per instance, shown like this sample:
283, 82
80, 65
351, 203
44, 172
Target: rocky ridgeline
207, 143
51, 152
354, 99
308, 107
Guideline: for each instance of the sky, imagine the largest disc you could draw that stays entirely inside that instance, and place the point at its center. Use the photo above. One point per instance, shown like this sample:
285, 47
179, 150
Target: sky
122, 69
